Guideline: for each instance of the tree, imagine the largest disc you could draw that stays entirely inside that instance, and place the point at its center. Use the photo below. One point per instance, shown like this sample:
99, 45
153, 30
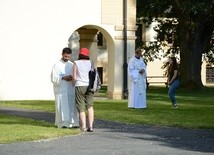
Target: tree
192, 25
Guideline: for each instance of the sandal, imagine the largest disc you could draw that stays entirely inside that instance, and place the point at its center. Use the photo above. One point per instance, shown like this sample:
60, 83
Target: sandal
90, 130
83, 129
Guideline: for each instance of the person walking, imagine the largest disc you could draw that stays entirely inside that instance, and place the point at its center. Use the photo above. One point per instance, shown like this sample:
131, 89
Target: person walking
84, 97
173, 80
66, 115
137, 73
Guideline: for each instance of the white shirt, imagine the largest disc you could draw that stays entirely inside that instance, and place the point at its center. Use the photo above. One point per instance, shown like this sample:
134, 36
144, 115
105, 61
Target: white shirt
82, 69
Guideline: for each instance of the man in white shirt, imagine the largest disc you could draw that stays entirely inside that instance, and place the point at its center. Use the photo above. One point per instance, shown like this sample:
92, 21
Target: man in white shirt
66, 115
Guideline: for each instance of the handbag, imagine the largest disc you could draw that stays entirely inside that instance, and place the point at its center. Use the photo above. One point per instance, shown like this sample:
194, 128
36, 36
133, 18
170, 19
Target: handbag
94, 79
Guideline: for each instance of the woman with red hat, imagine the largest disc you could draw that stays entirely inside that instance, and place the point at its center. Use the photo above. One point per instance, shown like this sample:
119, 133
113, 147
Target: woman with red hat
84, 98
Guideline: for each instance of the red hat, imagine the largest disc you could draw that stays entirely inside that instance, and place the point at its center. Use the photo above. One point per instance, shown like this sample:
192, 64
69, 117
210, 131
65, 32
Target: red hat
84, 51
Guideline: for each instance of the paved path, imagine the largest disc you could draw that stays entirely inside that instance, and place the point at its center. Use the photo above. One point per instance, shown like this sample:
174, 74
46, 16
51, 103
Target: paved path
112, 138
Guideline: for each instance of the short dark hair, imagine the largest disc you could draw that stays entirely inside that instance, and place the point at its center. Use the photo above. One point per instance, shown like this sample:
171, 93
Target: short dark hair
138, 51
66, 50
81, 56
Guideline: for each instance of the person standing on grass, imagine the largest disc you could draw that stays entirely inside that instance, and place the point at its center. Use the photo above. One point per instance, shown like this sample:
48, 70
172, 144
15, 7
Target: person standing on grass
66, 115
137, 73
173, 80
84, 97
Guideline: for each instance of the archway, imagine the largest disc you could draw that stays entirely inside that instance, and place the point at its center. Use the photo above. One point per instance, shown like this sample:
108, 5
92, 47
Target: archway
103, 54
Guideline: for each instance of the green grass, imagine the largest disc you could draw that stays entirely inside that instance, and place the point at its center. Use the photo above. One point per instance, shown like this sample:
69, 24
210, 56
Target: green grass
47, 106
14, 129
196, 110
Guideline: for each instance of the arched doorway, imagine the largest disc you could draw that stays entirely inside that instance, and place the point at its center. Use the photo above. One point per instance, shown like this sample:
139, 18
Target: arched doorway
102, 52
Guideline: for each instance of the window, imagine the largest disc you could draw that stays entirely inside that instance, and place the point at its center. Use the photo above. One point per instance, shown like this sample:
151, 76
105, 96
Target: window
99, 39
209, 74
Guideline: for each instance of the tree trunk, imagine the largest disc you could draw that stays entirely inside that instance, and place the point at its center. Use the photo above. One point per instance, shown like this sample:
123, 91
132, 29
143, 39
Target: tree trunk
191, 57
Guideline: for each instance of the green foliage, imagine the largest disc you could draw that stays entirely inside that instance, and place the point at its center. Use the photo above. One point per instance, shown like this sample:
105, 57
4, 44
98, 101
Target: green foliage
196, 16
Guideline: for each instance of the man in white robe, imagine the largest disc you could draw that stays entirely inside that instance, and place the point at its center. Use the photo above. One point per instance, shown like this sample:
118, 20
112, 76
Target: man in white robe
66, 115
137, 74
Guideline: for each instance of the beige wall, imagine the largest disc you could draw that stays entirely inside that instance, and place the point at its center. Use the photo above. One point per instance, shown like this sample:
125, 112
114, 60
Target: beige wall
154, 69
112, 13
42, 33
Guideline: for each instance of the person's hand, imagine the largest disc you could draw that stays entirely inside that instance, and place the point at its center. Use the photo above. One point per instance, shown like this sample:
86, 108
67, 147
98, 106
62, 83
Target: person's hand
67, 78
141, 71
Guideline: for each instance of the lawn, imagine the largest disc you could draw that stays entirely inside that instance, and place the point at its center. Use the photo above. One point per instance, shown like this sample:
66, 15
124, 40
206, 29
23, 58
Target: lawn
14, 129
195, 110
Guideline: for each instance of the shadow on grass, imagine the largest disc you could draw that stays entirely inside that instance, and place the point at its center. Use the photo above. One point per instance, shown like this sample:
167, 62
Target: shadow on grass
36, 115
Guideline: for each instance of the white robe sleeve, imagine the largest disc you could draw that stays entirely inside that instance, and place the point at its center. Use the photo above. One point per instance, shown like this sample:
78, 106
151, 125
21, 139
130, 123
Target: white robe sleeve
134, 73
56, 76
